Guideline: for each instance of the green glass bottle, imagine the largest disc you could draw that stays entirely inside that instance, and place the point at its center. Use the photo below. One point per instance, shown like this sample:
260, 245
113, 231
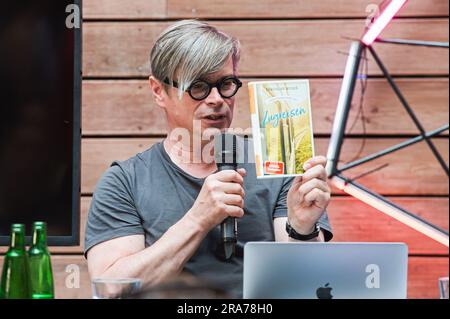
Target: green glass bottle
40, 264
16, 283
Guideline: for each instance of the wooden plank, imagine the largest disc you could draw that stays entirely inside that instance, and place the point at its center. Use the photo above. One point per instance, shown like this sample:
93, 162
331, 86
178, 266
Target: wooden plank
68, 285
132, 9
423, 274
303, 48
120, 107
239, 9
354, 221
98, 154
411, 171
272, 9
127, 107
127, 57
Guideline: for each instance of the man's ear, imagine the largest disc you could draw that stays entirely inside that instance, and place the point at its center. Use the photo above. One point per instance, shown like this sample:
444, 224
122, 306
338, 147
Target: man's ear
159, 93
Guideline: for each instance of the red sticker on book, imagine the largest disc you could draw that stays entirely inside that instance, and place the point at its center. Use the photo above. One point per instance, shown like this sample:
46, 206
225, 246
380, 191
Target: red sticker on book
273, 168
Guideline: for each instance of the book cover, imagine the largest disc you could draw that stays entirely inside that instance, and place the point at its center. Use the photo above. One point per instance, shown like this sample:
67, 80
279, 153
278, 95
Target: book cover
282, 127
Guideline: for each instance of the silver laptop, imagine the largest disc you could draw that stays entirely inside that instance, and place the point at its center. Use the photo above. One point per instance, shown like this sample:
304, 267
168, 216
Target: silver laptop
325, 270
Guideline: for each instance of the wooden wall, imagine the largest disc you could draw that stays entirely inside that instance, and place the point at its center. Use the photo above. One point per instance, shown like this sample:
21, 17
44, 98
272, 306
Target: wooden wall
282, 39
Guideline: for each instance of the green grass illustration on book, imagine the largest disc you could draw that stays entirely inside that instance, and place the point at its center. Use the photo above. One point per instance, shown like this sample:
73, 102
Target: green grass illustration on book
282, 126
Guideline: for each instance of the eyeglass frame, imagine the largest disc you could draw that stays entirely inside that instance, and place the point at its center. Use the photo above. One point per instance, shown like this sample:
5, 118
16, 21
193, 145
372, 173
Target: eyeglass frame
210, 86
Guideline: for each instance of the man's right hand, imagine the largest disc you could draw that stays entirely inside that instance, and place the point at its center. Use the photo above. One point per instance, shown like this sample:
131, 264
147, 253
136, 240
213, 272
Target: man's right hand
221, 196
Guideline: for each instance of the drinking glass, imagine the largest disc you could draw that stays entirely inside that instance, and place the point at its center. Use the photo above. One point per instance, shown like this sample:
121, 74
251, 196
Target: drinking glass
115, 288
443, 287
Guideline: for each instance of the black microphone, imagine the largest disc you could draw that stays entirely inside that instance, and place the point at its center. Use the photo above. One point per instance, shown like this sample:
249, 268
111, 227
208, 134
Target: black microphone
225, 157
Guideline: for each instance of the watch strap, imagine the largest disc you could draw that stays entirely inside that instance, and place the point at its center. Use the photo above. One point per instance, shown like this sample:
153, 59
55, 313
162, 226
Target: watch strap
293, 234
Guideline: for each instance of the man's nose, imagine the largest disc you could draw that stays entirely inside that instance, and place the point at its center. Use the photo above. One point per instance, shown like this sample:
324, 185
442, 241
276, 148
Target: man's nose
214, 97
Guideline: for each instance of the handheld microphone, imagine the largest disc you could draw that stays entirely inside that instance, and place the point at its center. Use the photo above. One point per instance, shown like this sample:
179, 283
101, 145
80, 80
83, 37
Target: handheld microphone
225, 157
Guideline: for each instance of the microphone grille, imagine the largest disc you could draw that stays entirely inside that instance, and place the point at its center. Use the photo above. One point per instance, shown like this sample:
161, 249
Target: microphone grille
225, 149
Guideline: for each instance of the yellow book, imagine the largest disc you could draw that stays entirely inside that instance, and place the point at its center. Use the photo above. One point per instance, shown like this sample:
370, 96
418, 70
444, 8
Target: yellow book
282, 127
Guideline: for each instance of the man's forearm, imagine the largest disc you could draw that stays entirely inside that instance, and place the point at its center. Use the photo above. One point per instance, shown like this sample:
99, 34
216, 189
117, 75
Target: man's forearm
165, 258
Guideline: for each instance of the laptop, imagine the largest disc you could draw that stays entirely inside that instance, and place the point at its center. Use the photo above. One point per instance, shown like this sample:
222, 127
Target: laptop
325, 270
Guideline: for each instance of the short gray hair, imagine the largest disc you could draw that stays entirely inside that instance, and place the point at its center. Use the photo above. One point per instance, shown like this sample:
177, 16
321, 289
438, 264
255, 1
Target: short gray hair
189, 50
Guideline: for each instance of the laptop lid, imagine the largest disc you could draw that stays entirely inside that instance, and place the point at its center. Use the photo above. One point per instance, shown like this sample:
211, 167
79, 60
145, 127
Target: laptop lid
325, 270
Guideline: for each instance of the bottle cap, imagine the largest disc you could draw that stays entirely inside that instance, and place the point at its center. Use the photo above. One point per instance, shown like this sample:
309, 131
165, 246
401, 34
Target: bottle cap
39, 224
18, 227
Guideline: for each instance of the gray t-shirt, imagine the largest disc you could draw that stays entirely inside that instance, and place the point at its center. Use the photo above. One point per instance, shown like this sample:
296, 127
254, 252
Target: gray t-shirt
148, 193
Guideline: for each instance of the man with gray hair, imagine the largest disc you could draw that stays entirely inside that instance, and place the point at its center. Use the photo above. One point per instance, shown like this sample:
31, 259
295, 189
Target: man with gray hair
158, 213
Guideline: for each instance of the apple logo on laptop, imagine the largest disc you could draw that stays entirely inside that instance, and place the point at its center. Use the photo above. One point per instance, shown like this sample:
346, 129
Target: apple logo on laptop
324, 292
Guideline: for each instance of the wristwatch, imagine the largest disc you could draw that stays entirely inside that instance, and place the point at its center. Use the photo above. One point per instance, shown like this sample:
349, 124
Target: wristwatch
293, 234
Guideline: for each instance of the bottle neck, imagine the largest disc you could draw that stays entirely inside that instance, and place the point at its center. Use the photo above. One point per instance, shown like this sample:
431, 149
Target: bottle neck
17, 239
39, 237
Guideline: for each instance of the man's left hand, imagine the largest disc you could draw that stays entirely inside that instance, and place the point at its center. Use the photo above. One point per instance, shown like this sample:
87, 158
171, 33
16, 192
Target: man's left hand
308, 196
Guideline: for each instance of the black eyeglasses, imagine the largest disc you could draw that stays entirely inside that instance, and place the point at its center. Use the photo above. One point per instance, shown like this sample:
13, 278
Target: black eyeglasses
200, 89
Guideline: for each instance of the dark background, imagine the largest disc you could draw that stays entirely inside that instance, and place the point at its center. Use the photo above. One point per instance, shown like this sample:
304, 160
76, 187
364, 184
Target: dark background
36, 115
